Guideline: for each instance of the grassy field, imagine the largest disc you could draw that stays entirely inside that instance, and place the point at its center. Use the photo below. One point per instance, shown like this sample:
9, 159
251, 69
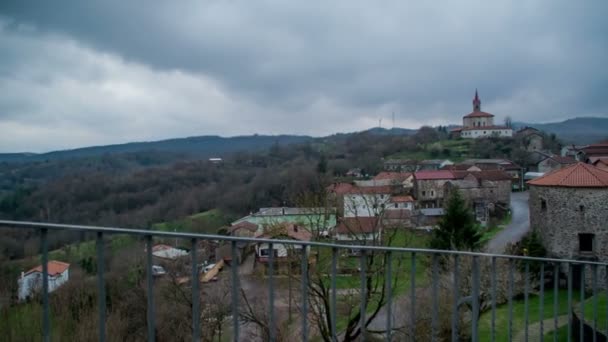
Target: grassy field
562, 333
206, 222
455, 150
518, 322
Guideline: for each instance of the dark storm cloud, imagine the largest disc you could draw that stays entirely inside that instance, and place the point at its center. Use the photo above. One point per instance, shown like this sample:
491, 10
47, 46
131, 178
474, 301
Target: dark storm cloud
344, 64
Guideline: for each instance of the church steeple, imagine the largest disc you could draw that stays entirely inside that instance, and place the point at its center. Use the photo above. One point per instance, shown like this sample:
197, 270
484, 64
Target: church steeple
476, 103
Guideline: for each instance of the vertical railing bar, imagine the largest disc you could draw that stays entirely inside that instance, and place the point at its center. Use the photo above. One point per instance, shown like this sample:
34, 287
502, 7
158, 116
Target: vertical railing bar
271, 323
456, 299
582, 303
150, 285
304, 278
555, 298
435, 299
389, 295
475, 303
606, 294
363, 307
569, 301
594, 285
493, 280
334, 317
196, 304
511, 281
413, 297
101, 287
541, 309
235, 291
46, 323
526, 298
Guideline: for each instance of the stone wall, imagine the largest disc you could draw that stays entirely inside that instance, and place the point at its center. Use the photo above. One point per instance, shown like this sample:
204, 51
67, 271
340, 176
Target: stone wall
566, 212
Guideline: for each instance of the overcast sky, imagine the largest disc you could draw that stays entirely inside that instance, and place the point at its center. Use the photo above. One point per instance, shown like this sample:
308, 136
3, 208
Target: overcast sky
78, 73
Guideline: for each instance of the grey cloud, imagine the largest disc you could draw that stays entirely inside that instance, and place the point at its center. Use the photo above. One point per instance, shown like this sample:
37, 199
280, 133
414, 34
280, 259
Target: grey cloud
535, 60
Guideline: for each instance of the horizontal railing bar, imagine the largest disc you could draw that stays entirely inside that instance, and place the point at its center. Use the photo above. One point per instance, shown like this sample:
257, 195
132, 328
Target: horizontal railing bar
145, 232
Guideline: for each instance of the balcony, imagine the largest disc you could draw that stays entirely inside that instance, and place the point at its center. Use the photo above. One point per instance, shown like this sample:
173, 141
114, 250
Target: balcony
393, 293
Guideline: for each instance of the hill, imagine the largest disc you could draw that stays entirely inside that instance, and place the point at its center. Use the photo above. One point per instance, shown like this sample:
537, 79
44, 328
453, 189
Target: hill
202, 146
574, 131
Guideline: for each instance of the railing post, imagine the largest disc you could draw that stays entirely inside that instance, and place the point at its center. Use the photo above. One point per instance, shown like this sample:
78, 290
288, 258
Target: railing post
456, 294
271, 323
363, 307
196, 303
510, 299
581, 320
569, 301
541, 308
475, 294
526, 298
101, 287
555, 298
150, 286
333, 315
235, 292
493, 280
46, 324
413, 297
389, 294
304, 278
435, 298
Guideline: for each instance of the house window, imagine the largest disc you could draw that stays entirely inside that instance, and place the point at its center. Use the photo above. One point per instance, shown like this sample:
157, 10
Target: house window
581, 208
432, 193
585, 242
396, 205
543, 204
423, 193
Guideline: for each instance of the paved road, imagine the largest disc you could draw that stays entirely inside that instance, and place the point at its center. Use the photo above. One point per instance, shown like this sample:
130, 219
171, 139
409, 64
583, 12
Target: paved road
520, 224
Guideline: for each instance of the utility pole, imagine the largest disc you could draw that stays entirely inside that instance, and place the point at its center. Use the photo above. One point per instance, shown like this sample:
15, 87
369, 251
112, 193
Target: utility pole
380, 123
393, 119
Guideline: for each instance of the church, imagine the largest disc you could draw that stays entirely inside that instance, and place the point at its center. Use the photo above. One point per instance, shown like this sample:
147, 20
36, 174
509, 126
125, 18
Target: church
478, 124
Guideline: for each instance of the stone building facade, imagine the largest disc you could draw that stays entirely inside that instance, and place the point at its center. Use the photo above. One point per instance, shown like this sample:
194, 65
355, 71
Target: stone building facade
569, 209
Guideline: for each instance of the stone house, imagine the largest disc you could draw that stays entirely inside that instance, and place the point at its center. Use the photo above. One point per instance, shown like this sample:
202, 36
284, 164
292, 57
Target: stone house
30, 282
568, 210
429, 187
401, 165
530, 139
514, 170
553, 163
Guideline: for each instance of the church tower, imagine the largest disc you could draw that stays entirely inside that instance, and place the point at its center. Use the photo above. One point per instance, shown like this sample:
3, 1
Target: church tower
476, 103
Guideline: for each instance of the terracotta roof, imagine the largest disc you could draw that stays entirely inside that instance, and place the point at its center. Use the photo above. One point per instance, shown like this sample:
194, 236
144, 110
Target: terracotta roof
458, 129
340, 188
54, 268
595, 160
481, 128
385, 189
402, 199
357, 225
244, 225
579, 175
399, 214
434, 174
563, 160
479, 115
161, 247
393, 175
291, 230
457, 167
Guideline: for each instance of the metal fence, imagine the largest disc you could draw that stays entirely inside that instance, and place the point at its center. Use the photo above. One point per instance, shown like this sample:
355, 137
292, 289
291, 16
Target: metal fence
549, 271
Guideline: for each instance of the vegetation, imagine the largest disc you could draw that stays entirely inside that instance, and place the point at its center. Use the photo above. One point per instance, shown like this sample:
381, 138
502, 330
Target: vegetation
457, 229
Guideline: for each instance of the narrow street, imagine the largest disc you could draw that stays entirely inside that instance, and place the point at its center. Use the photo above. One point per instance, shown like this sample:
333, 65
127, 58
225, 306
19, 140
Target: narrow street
520, 224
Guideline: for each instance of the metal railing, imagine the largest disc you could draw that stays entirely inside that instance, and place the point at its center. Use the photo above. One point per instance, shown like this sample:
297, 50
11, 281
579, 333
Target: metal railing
435, 258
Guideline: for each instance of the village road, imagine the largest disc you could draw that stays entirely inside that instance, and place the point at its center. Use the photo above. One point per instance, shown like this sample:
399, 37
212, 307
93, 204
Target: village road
520, 224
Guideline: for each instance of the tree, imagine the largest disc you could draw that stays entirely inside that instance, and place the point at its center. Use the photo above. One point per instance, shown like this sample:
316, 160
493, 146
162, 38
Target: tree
508, 122
322, 165
457, 229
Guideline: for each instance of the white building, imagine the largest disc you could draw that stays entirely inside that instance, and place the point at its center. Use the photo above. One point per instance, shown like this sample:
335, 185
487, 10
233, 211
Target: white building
287, 231
478, 124
167, 252
31, 281
366, 201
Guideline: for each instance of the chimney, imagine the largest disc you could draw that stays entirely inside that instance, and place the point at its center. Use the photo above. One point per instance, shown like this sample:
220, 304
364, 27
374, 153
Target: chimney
283, 210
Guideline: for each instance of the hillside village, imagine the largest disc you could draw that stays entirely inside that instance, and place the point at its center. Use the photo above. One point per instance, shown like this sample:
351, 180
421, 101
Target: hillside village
402, 206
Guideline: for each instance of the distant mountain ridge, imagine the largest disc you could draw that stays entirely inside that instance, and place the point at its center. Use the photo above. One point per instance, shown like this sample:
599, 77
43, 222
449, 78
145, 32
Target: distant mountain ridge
201, 146
583, 130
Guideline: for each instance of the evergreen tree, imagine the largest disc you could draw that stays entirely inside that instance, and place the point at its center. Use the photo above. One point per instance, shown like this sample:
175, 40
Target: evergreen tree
457, 228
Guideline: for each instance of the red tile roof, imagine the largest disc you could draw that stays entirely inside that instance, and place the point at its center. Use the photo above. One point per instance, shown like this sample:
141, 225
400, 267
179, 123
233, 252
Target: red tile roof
291, 230
393, 175
479, 115
244, 225
400, 214
579, 175
434, 175
358, 225
340, 188
481, 128
563, 160
402, 199
54, 268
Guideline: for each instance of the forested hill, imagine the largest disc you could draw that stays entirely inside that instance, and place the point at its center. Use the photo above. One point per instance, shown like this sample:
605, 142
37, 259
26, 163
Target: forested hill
575, 131
202, 147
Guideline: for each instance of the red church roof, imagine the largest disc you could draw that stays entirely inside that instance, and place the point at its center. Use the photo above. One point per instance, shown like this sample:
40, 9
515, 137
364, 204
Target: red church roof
579, 175
479, 115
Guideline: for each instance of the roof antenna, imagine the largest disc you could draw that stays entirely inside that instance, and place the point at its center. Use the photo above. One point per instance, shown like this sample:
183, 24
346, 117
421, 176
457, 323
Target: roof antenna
380, 123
